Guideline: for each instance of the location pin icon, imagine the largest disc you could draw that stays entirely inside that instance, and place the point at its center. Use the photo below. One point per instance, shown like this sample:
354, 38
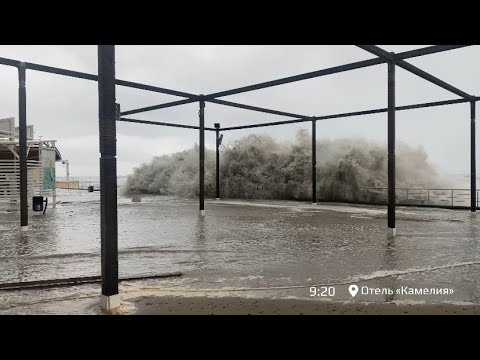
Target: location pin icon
353, 289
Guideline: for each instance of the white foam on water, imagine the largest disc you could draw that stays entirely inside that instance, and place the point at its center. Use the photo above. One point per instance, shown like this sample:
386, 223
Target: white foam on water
291, 297
220, 280
360, 210
408, 302
387, 273
250, 277
349, 280
460, 303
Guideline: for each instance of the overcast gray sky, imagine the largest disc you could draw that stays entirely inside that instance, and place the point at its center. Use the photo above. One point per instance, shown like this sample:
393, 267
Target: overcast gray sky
66, 109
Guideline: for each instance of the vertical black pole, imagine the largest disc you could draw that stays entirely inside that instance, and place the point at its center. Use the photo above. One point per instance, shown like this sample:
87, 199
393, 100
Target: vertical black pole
473, 166
202, 156
108, 175
217, 161
22, 142
391, 147
314, 161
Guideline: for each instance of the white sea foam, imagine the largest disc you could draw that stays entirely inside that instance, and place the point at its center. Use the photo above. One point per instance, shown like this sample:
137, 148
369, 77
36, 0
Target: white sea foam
408, 302
387, 273
251, 277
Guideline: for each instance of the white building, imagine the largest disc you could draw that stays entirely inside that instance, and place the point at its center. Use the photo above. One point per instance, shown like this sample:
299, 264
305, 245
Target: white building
41, 158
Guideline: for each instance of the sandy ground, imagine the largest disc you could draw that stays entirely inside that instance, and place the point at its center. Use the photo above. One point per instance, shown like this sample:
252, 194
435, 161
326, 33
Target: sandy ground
172, 305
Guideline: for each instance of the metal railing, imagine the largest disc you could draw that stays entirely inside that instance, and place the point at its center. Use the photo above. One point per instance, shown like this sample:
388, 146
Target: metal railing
418, 196
77, 185
67, 185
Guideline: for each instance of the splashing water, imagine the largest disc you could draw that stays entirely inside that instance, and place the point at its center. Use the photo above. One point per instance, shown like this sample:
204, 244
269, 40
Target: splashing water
258, 167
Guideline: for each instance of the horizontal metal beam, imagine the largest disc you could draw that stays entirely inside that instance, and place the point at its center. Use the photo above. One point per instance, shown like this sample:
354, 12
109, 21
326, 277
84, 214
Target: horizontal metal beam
161, 106
290, 79
210, 97
350, 114
155, 89
9, 62
407, 54
283, 122
163, 124
413, 69
215, 101
130, 84
193, 97
254, 108
58, 71
93, 77
427, 50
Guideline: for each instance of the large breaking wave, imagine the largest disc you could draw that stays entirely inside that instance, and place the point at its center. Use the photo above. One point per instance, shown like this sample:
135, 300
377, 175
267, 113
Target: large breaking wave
259, 167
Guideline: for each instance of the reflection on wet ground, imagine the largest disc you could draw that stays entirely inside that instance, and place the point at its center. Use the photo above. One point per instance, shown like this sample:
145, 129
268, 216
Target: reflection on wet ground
253, 248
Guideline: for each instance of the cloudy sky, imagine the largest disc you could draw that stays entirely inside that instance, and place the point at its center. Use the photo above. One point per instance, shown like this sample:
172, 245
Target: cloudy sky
66, 109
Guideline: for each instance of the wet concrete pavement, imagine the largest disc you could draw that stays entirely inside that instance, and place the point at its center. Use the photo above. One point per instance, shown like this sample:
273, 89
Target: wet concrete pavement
260, 249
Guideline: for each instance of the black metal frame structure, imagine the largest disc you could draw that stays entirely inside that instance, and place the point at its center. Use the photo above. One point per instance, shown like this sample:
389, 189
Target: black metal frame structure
109, 114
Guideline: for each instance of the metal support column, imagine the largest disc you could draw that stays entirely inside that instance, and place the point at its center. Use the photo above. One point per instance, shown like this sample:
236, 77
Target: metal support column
201, 114
391, 148
473, 166
217, 162
22, 142
108, 176
314, 161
